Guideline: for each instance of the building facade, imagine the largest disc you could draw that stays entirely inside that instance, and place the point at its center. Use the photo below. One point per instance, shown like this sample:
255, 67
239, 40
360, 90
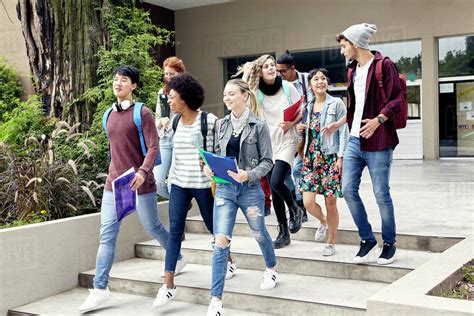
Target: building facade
430, 40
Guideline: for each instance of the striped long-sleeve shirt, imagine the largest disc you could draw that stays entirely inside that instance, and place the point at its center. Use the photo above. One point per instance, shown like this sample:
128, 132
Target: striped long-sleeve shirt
186, 171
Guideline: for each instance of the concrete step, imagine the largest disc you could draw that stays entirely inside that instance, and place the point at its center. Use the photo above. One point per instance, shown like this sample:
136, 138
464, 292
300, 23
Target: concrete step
345, 236
301, 257
120, 304
302, 295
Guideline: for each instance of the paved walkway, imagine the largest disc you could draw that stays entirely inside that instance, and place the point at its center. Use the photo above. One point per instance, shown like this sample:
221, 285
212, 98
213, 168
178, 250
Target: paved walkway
431, 198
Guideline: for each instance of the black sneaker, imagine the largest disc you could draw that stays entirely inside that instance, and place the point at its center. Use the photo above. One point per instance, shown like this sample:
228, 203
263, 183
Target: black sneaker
366, 248
388, 254
267, 210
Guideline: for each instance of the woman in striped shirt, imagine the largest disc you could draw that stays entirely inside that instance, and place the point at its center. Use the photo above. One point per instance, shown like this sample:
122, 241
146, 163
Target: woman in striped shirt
186, 176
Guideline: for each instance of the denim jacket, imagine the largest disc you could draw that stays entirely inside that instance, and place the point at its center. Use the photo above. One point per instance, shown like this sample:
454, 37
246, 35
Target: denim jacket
255, 154
333, 110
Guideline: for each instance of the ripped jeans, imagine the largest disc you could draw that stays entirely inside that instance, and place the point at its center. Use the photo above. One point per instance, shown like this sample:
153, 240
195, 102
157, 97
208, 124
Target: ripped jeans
228, 199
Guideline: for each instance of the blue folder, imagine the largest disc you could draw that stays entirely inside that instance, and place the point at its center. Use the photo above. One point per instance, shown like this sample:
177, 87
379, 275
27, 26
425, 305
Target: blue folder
125, 198
220, 165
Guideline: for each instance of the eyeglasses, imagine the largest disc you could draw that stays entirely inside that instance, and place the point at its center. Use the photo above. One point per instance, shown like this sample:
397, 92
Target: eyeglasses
282, 71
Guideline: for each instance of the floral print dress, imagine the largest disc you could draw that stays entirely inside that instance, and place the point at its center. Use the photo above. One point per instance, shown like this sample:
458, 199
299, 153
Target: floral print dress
319, 173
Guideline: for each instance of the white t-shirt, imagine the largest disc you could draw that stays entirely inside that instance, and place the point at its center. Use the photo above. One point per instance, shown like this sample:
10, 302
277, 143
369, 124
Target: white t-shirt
360, 81
185, 170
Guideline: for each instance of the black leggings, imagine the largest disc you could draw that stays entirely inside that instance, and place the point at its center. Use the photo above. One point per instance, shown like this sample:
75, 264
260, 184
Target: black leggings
280, 192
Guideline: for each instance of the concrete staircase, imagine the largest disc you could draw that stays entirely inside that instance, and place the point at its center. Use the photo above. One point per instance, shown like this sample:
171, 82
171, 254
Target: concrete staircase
309, 283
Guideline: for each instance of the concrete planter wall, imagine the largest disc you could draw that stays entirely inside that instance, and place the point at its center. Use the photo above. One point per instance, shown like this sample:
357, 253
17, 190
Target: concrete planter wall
44, 259
411, 295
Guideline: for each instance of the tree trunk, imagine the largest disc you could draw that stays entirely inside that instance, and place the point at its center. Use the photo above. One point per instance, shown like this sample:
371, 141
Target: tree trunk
62, 38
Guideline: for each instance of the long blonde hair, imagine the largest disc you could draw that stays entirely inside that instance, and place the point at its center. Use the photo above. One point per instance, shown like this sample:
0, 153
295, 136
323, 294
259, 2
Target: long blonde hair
251, 71
244, 87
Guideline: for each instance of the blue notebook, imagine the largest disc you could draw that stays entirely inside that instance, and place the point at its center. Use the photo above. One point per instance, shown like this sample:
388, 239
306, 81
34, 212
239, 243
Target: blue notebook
125, 198
220, 165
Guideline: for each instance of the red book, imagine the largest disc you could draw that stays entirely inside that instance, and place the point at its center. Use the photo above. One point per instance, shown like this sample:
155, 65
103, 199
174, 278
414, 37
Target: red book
291, 112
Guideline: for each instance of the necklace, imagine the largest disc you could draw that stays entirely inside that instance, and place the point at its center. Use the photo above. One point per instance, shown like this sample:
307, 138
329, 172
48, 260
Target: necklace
236, 132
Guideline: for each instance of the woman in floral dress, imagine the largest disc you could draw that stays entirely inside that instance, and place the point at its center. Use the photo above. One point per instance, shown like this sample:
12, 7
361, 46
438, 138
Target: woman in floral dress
323, 154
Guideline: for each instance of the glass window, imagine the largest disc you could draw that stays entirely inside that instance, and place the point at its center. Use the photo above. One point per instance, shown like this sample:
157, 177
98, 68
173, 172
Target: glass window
406, 55
329, 58
414, 104
456, 56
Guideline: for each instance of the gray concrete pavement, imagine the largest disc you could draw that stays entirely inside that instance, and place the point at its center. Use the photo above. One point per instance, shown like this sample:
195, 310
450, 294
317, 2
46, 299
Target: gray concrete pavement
433, 198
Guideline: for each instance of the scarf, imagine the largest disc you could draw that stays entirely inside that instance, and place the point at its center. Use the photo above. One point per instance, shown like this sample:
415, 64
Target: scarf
238, 123
270, 89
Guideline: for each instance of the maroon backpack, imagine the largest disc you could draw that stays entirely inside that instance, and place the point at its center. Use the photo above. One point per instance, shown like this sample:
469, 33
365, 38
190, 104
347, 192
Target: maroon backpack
400, 119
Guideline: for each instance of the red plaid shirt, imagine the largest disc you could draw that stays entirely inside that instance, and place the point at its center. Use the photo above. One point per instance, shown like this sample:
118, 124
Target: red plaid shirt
385, 135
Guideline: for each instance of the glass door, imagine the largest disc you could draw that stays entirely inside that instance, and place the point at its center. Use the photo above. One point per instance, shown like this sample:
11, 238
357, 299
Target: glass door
456, 118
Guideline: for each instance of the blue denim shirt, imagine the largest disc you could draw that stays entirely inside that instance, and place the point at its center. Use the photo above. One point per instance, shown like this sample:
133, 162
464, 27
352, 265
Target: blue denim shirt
255, 154
333, 110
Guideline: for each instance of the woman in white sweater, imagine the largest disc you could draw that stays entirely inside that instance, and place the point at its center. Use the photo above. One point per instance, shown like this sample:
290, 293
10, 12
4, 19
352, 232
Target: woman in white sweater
274, 95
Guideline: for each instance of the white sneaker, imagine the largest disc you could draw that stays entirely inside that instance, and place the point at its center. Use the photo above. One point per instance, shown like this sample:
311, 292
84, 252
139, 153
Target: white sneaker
269, 279
180, 264
164, 296
329, 250
96, 297
215, 308
231, 268
321, 232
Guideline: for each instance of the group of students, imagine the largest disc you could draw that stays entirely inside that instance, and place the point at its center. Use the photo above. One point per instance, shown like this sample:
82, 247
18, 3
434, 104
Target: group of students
322, 151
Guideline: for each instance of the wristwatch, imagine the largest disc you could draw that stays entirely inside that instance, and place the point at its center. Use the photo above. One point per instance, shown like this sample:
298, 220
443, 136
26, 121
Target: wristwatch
381, 119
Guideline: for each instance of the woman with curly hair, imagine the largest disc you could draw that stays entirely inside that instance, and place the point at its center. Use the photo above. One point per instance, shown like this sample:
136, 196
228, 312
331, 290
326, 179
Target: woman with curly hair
187, 177
163, 116
274, 95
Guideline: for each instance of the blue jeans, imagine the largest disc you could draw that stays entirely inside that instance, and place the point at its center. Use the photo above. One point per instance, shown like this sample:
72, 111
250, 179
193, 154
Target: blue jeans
297, 165
379, 164
109, 228
178, 210
228, 199
161, 172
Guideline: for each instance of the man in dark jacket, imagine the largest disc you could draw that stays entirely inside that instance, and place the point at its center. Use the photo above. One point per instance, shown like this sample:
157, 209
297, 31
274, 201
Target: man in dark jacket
373, 137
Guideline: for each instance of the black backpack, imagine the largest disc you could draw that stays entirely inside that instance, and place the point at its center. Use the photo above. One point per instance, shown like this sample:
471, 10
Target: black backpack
203, 126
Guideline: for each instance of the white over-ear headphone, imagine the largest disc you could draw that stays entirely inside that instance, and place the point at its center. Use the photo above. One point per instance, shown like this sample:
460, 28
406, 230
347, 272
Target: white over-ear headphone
122, 106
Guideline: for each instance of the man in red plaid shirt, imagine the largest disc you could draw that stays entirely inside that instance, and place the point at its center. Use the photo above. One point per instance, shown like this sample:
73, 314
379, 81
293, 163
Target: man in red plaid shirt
373, 137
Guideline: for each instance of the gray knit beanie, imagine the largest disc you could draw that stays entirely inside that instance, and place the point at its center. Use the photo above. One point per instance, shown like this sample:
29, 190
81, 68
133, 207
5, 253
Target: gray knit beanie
360, 34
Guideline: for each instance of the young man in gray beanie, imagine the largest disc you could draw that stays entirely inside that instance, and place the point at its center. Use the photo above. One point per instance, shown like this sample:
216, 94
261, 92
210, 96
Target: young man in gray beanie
373, 137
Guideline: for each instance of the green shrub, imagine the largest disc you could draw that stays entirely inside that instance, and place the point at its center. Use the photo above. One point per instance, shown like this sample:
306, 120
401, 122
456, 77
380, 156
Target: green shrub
25, 120
42, 185
10, 89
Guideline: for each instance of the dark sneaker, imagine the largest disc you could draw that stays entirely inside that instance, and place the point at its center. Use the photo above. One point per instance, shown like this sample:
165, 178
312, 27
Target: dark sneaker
267, 210
296, 218
366, 248
305, 214
388, 254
